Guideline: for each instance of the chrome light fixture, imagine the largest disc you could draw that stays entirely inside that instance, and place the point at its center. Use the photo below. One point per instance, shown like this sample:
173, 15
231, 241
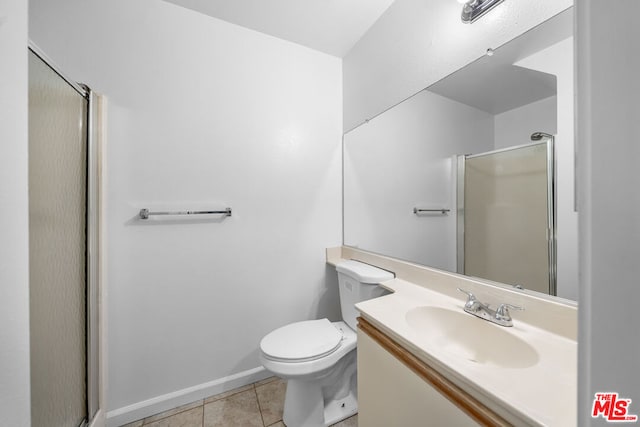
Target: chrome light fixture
474, 9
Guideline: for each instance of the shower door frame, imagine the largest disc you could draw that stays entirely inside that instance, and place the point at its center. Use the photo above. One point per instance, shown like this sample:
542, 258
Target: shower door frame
92, 338
551, 206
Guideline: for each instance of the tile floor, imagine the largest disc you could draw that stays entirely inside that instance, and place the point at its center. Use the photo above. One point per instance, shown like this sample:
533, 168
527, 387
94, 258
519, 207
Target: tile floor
254, 405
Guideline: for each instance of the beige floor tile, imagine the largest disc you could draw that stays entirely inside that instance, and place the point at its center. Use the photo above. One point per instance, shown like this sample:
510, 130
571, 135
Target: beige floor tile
190, 418
173, 411
271, 400
278, 424
228, 393
134, 424
265, 381
238, 410
349, 422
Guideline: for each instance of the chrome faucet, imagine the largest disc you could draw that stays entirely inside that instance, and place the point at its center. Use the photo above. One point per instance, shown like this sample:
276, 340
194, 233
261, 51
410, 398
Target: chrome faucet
501, 316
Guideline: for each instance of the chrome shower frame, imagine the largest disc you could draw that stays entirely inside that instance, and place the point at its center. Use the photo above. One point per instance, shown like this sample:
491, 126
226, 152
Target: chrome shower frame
92, 238
551, 205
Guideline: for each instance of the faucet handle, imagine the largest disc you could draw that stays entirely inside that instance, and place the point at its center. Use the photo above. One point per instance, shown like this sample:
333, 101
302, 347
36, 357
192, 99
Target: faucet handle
502, 313
471, 298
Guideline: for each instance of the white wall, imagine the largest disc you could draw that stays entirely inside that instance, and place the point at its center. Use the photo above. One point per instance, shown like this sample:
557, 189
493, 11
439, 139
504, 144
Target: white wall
608, 115
558, 60
404, 159
14, 252
418, 42
514, 127
203, 113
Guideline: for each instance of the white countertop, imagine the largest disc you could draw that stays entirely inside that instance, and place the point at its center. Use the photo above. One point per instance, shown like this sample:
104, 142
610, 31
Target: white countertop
544, 393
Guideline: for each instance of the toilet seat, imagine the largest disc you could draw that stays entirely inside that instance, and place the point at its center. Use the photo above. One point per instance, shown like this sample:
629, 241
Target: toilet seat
302, 341
320, 366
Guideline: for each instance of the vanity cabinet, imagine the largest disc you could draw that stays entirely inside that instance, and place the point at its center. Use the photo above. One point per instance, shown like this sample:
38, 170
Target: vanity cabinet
397, 389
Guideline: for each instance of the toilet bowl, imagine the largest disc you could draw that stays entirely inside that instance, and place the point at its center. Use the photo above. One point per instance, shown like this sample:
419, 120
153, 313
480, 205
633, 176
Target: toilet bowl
321, 379
318, 357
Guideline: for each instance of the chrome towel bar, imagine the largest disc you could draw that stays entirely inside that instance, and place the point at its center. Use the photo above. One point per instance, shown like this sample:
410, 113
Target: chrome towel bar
442, 211
145, 213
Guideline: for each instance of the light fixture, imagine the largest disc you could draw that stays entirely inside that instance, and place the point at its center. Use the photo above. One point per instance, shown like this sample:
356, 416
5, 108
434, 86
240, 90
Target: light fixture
474, 9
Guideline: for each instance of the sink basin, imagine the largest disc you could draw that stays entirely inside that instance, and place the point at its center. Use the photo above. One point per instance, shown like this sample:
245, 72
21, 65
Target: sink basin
463, 335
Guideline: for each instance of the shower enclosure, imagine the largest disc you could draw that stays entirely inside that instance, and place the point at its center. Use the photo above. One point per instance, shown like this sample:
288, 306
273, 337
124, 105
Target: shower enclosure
506, 216
62, 248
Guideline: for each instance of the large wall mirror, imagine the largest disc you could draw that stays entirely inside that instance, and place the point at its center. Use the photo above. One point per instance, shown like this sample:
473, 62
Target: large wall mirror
427, 176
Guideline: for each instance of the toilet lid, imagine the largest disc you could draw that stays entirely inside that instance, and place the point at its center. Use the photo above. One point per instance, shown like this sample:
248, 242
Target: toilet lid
302, 341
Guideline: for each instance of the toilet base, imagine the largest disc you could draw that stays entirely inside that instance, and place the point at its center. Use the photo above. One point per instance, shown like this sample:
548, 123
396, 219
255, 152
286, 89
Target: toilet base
304, 406
338, 410
324, 400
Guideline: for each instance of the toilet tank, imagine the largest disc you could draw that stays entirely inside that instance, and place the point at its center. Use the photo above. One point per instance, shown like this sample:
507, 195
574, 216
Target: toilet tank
358, 282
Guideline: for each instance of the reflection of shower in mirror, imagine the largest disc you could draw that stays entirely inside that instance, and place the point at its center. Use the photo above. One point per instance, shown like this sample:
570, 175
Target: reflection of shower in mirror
401, 159
506, 215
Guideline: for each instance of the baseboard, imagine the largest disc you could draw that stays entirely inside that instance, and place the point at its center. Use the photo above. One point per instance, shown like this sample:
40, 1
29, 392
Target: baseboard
146, 408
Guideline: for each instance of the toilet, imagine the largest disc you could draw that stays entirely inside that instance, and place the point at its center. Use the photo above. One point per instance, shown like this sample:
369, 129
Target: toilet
318, 357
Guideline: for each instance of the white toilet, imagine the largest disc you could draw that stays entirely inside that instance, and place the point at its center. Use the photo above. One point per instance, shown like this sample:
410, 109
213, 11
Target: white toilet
318, 358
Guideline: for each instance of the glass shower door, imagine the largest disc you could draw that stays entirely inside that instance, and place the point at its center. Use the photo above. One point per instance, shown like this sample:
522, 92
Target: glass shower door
508, 216
57, 227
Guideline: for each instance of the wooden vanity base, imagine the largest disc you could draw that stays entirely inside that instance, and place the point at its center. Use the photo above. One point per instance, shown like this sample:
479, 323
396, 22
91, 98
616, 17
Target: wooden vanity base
464, 401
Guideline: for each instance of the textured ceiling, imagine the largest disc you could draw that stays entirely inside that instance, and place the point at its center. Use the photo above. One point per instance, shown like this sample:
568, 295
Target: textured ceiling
330, 26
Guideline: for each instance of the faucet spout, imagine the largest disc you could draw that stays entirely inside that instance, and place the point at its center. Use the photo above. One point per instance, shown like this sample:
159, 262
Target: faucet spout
501, 316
